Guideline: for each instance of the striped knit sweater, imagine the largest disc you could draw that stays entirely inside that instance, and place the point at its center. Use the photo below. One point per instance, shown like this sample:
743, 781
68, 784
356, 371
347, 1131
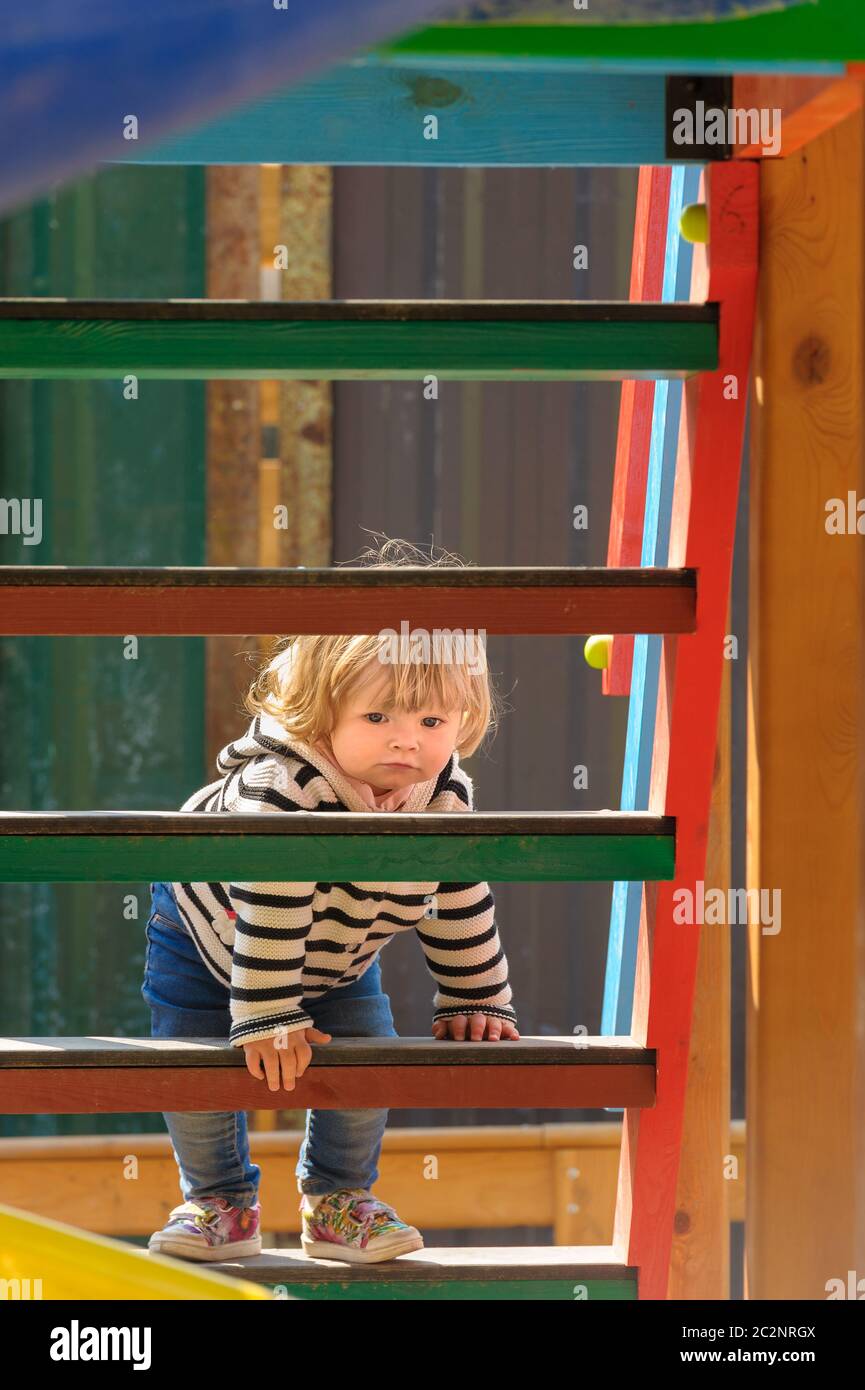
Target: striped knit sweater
278, 946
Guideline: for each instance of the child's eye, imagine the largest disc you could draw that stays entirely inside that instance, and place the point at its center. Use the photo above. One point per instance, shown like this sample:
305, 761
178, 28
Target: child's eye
376, 718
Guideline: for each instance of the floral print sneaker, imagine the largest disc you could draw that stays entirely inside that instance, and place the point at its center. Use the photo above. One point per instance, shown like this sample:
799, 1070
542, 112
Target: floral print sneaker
209, 1229
350, 1224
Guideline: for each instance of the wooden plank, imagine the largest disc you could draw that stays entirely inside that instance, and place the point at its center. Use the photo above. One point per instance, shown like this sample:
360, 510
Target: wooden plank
354, 339
497, 1266
305, 408
702, 533
799, 39
635, 410
53, 1053
89, 1091
57, 600
233, 438
700, 1264
498, 1262
356, 311
784, 92
119, 847
827, 107
367, 112
503, 1171
368, 824
497, 1176
146, 1075
806, 674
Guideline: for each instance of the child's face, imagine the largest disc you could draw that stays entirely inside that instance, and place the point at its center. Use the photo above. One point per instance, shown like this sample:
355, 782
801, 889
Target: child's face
367, 738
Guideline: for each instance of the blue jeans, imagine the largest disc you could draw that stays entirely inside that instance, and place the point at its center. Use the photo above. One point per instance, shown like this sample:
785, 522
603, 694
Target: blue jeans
340, 1148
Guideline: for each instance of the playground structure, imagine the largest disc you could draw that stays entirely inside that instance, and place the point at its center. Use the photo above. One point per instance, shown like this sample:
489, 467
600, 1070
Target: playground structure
682, 348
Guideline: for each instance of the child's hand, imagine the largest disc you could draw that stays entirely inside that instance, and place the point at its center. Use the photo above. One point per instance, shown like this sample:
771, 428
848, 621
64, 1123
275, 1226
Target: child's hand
286, 1052
494, 1027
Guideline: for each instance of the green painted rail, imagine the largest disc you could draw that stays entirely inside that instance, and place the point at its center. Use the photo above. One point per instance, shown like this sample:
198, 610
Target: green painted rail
122, 846
396, 1289
472, 340
807, 38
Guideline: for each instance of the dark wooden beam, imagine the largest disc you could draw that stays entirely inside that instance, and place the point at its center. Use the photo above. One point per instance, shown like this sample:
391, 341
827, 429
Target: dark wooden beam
146, 1075
56, 600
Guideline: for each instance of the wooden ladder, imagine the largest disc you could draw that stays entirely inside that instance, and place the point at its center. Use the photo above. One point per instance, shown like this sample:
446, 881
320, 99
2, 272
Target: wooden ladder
679, 606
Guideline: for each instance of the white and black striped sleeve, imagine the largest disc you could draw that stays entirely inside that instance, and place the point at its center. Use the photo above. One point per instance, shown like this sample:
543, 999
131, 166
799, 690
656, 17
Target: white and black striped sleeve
273, 919
464, 954
272, 924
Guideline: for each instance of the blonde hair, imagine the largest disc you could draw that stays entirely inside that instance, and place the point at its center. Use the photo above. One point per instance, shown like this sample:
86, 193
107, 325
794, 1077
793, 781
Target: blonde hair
308, 679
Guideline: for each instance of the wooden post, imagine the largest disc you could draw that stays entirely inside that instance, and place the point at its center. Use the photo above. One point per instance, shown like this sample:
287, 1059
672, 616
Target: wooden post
700, 1265
702, 534
298, 477
232, 439
805, 1200
305, 407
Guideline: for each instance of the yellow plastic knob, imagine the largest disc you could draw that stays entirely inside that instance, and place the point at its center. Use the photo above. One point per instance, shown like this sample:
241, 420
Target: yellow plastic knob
597, 651
694, 222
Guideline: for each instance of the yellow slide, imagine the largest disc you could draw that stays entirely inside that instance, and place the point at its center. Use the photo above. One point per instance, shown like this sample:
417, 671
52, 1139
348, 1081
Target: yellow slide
43, 1259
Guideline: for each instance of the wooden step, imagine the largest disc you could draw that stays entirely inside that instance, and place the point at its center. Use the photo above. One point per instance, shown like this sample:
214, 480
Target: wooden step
466, 340
494, 114
572, 1272
200, 846
183, 600
100, 1075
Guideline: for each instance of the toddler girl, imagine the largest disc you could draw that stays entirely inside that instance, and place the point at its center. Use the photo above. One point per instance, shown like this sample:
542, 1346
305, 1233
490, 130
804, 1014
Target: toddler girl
275, 967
